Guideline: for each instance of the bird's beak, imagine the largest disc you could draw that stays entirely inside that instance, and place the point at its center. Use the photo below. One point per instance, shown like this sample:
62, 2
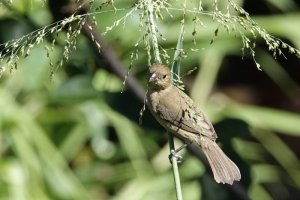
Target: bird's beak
152, 78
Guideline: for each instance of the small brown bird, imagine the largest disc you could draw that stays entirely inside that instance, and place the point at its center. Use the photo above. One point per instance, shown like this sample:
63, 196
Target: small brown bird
176, 112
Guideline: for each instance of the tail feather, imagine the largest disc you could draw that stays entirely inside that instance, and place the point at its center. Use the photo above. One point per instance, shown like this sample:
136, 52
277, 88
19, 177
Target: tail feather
224, 170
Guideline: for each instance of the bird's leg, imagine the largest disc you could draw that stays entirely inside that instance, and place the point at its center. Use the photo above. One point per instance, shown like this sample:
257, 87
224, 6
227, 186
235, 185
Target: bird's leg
174, 153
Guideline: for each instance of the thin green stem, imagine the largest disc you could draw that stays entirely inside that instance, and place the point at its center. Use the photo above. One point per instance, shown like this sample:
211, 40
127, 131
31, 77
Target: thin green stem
152, 29
175, 168
175, 79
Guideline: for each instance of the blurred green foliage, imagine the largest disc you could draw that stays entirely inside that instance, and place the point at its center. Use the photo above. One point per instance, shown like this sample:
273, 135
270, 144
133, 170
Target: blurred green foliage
77, 136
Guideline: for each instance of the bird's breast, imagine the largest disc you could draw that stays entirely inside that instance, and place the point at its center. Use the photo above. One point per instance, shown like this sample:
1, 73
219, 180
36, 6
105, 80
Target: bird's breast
152, 100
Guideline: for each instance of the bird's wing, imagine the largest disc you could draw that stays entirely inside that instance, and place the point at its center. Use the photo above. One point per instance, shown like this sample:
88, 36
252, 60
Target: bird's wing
179, 110
202, 122
176, 118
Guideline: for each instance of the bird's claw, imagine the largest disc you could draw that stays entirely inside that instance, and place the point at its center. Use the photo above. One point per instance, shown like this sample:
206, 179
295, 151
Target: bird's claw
179, 158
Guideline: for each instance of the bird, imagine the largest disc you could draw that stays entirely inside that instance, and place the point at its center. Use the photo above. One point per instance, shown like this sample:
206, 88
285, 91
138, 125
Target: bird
178, 114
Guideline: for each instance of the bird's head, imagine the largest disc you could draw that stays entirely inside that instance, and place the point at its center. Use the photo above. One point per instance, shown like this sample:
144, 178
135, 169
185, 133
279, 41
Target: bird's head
159, 77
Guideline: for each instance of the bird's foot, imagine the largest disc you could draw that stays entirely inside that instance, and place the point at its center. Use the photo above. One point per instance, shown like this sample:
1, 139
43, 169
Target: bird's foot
179, 158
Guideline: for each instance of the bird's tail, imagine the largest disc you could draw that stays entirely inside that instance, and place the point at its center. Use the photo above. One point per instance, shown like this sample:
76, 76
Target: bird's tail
224, 170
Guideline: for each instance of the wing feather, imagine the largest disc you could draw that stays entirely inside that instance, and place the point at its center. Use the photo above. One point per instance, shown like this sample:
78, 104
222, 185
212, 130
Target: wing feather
179, 110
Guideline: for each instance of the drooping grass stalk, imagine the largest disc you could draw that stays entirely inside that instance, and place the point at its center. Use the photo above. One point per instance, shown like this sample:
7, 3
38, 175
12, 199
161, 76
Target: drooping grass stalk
240, 24
152, 28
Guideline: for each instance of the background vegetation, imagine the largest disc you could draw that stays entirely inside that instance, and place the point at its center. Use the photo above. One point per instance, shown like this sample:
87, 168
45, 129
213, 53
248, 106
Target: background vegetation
75, 135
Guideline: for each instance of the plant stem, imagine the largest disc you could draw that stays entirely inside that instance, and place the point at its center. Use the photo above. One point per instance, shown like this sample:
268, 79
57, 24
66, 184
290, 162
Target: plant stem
175, 168
152, 27
175, 78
